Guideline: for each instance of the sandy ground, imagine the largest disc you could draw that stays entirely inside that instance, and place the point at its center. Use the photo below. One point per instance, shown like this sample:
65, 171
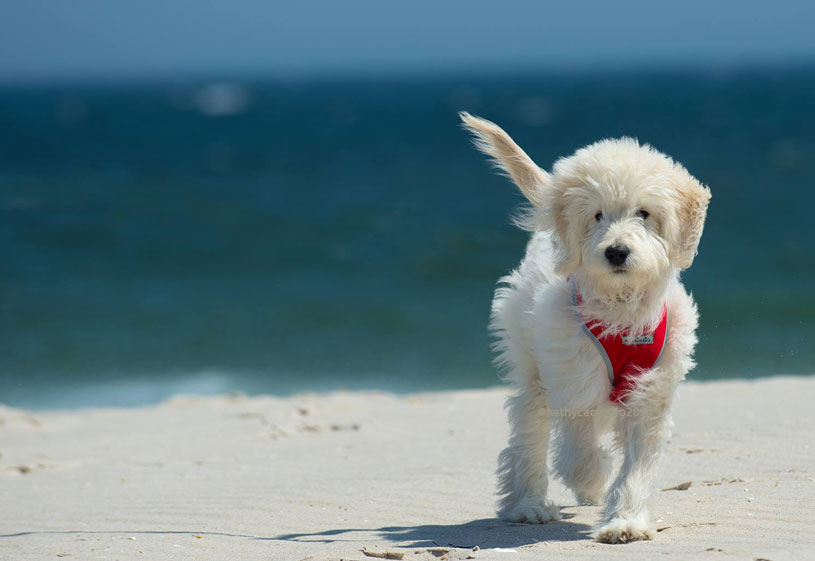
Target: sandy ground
324, 476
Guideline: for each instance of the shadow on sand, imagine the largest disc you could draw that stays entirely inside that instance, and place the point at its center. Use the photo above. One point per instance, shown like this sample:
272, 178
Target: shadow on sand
486, 533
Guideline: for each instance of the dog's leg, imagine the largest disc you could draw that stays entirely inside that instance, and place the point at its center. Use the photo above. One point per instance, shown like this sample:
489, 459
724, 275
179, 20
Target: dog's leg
580, 461
642, 429
522, 470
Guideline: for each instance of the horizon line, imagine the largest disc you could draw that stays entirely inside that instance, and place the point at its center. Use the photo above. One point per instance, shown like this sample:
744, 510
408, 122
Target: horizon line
408, 73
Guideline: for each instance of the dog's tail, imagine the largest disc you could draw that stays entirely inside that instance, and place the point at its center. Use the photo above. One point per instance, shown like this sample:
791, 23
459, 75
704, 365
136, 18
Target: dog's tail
507, 156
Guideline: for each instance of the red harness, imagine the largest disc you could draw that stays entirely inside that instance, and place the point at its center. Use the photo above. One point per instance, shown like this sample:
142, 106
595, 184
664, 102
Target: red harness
626, 356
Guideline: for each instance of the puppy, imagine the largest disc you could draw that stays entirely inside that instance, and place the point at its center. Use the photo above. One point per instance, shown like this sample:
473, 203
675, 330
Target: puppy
594, 329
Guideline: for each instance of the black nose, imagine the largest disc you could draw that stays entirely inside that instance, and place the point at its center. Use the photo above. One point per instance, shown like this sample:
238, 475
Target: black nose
617, 254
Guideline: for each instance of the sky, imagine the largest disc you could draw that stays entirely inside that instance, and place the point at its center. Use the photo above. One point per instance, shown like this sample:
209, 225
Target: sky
42, 40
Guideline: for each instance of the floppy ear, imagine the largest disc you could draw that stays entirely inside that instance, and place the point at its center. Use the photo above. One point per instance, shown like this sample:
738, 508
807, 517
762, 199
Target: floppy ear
693, 198
507, 156
555, 218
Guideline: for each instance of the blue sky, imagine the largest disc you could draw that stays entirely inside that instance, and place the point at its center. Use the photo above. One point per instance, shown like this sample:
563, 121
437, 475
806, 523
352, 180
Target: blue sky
55, 40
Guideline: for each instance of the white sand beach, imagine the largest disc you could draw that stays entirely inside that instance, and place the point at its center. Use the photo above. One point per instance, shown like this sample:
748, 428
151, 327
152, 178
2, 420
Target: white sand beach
326, 476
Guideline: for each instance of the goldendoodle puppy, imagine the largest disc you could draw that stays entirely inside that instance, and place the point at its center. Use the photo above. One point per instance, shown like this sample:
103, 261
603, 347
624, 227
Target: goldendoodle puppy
594, 329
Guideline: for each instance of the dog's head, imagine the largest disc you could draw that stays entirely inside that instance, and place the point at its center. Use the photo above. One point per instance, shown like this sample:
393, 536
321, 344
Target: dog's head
622, 214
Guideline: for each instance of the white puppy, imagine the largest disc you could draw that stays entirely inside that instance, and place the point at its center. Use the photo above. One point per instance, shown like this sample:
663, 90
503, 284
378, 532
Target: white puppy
594, 329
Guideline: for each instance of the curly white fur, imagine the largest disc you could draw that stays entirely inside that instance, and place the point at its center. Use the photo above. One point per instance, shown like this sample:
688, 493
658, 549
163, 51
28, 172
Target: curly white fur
592, 200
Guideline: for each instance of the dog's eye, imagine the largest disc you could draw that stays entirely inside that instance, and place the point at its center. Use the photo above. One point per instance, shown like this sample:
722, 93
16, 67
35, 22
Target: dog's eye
643, 214
598, 217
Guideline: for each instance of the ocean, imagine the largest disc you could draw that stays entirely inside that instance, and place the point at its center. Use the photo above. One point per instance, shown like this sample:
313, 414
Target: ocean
281, 236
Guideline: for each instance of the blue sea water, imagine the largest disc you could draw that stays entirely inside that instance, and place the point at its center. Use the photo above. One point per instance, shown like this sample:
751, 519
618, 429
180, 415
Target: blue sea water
279, 237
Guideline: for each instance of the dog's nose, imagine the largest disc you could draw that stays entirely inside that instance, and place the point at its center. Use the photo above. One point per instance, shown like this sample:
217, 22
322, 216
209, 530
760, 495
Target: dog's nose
617, 254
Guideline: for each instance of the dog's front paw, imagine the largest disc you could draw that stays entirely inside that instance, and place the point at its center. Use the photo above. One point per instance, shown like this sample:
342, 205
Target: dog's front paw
531, 510
620, 530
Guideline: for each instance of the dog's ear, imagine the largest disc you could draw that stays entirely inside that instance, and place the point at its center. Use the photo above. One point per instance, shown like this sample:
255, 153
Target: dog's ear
692, 200
507, 156
556, 219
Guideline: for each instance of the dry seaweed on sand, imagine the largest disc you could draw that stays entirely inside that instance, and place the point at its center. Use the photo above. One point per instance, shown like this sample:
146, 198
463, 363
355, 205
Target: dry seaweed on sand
383, 554
681, 487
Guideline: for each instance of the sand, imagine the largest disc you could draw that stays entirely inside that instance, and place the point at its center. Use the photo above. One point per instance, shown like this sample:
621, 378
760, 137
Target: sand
326, 476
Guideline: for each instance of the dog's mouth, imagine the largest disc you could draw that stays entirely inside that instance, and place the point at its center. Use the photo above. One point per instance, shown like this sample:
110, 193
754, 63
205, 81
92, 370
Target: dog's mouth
619, 270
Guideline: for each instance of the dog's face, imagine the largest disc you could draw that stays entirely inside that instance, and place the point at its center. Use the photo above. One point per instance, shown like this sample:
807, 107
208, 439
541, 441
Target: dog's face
624, 214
